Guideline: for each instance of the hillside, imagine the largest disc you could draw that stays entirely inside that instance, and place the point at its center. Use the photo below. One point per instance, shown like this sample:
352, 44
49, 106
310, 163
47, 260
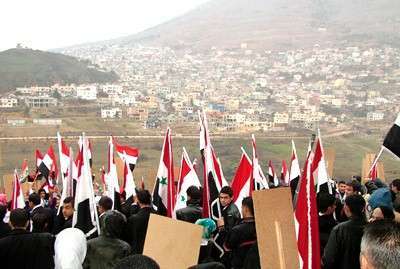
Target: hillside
277, 24
26, 67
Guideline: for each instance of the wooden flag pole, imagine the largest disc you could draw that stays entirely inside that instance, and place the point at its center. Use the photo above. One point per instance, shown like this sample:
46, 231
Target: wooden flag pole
376, 160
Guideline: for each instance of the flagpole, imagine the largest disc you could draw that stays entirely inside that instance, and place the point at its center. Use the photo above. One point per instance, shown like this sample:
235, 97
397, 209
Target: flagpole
60, 156
376, 159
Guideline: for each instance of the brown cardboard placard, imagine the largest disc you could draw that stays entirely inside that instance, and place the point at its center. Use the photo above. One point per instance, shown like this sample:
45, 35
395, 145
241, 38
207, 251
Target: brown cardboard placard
330, 155
172, 243
276, 235
366, 166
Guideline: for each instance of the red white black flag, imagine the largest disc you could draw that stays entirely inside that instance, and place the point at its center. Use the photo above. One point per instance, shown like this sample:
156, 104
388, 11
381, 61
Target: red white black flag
242, 180
294, 175
392, 139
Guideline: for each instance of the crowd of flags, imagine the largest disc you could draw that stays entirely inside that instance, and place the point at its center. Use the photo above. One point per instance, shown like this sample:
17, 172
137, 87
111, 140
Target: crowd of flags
168, 197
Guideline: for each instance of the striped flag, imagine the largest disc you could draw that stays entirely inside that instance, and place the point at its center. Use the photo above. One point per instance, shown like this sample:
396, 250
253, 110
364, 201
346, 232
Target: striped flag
392, 139
187, 178
164, 188
113, 189
48, 166
259, 181
294, 174
129, 184
127, 154
306, 220
241, 182
318, 168
272, 177
284, 174
17, 196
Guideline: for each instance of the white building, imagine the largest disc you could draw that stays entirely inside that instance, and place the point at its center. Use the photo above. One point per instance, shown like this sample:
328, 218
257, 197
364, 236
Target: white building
88, 92
281, 118
8, 101
111, 113
375, 116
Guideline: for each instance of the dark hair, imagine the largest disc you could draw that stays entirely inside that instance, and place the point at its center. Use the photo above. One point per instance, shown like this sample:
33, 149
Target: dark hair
19, 217
356, 204
341, 181
113, 224
40, 190
387, 212
325, 200
3, 211
380, 244
355, 184
227, 190
371, 186
39, 222
69, 200
106, 202
194, 193
144, 197
396, 183
248, 202
136, 261
34, 198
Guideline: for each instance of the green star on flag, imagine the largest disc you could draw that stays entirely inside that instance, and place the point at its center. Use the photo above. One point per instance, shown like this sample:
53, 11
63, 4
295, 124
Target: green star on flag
163, 181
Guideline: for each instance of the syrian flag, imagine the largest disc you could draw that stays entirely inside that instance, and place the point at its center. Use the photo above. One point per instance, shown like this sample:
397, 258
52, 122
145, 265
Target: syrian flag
48, 166
17, 199
259, 181
164, 188
113, 189
241, 182
306, 220
273, 179
373, 174
129, 184
318, 168
212, 184
68, 181
284, 174
392, 139
64, 154
39, 158
294, 175
218, 169
187, 178
127, 154
24, 171
85, 215
89, 151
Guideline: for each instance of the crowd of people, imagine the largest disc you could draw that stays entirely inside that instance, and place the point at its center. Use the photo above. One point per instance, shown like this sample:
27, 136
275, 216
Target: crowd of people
358, 225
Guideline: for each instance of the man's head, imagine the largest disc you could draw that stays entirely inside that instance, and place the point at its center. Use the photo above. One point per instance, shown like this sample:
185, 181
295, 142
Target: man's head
42, 193
40, 222
105, 204
113, 224
137, 261
326, 203
143, 198
247, 207
68, 207
341, 186
34, 200
193, 193
19, 219
395, 185
226, 196
354, 206
353, 187
380, 245
382, 212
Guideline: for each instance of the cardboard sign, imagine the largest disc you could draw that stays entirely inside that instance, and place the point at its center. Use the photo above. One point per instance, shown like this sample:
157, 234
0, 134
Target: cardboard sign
276, 235
366, 166
330, 155
172, 243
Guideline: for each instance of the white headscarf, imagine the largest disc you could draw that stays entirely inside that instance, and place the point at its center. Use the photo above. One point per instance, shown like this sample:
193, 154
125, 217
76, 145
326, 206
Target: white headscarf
70, 249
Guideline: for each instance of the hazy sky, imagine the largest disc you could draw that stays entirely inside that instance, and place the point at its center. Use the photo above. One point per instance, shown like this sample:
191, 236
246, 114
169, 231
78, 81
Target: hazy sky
46, 24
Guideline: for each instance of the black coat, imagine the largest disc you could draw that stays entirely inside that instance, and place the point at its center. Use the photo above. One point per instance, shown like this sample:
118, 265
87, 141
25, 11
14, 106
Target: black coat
136, 228
343, 248
239, 241
326, 224
4, 229
191, 213
50, 216
22, 249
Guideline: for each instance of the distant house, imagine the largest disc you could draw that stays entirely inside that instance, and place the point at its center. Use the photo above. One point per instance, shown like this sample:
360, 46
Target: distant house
53, 122
40, 101
375, 116
88, 92
111, 113
8, 101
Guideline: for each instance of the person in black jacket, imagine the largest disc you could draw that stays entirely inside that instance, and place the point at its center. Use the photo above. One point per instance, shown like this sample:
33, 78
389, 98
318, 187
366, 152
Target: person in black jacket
37, 208
136, 228
22, 249
193, 211
326, 221
242, 237
4, 227
343, 248
64, 220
